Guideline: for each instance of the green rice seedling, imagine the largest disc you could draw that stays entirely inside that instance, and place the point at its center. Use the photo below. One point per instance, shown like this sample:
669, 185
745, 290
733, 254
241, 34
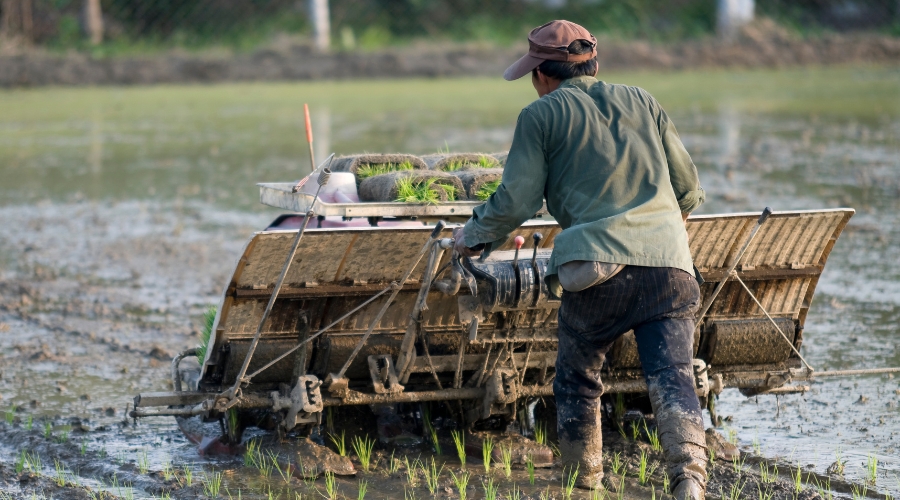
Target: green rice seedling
250, 453
188, 475
461, 482
514, 493
635, 430
599, 494
487, 447
871, 469
839, 465
529, 466
617, 465
738, 465
331, 487
34, 463
764, 495
412, 471
569, 477
11, 415
284, 472
63, 437
83, 448
506, 458
21, 462
732, 436
620, 493
264, 466
540, 433
734, 493
393, 465
366, 171
860, 491
29, 423
487, 189
486, 162
48, 430
212, 483
143, 462
665, 485
361, 492
757, 447
432, 475
653, 436
555, 449
824, 490
545, 495
712, 455
766, 474
209, 317
340, 444
435, 441
409, 494
490, 489
459, 440
645, 469
797, 476
363, 448
60, 478
410, 191
167, 472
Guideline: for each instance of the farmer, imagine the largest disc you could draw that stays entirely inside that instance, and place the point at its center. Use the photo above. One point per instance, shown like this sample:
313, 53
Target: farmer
620, 183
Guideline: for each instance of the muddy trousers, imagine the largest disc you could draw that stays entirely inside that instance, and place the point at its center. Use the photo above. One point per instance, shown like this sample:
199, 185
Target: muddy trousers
658, 304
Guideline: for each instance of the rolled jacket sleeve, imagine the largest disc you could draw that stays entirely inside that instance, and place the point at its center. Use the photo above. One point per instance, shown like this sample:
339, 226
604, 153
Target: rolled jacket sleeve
682, 171
520, 194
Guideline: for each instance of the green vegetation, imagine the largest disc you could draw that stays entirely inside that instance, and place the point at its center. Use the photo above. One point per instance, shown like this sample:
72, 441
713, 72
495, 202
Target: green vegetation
487, 189
412, 471
540, 433
490, 489
363, 448
506, 450
653, 437
432, 475
570, 477
331, 488
366, 171
340, 444
871, 469
483, 162
251, 453
617, 465
487, 448
459, 439
212, 483
209, 317
529, 466
645, 469
11, 414
143, 462
363, 487
423, 191
461, 482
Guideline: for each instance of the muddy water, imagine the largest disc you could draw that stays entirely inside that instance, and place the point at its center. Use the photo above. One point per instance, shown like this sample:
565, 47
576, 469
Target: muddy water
122, 211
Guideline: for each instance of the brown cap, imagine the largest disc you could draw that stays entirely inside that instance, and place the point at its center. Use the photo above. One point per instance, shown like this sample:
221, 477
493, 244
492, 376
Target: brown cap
550, 42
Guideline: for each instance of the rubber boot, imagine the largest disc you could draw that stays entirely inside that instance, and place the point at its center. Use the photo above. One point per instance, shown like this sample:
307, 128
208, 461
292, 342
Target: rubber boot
680, 427
580, 440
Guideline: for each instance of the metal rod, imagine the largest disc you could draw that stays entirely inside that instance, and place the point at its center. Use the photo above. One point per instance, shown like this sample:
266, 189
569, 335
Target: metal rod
786, 339
762, 218
865, 371
284, 270
320, 332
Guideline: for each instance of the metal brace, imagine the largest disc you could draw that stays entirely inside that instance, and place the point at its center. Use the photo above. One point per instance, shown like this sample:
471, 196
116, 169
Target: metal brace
384, 376
304, 404
501, 389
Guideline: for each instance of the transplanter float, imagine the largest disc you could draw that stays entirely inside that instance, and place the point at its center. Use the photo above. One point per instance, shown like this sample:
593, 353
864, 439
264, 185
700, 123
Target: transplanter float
344, 303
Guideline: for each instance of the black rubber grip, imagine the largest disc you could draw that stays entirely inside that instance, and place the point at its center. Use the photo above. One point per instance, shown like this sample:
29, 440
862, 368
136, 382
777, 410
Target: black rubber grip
537, 237
765, 215
438, 228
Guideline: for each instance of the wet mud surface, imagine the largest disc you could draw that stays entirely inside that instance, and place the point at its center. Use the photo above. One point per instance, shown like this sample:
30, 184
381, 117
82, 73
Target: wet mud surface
98, 292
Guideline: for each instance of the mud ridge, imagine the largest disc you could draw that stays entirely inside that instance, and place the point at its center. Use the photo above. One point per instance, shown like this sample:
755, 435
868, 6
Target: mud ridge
763, 44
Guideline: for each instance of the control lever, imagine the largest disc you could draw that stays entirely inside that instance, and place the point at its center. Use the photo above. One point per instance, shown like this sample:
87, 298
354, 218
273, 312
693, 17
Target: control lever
537, 237
519, 241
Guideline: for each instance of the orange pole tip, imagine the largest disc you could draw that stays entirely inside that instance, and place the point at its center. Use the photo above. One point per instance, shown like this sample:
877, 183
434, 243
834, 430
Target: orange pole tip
309, 137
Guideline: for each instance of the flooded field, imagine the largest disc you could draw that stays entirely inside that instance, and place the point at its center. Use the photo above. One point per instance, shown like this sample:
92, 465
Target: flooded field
122, 211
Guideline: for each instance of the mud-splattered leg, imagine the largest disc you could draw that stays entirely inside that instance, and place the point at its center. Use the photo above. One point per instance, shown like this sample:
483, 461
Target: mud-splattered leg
577, 388
666, 349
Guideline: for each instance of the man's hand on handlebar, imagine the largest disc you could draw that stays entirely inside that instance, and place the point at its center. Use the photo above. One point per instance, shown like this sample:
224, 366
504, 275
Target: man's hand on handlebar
460, 247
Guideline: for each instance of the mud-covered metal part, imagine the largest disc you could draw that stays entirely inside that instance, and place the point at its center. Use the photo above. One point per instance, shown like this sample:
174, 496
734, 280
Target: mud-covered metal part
384, 376
752, 341
303, 404
176, 362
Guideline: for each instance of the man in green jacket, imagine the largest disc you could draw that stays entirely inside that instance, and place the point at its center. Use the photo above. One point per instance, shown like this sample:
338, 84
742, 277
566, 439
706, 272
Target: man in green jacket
617, 178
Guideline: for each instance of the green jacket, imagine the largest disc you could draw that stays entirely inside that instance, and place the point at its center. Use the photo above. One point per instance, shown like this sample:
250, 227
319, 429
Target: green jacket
614, 173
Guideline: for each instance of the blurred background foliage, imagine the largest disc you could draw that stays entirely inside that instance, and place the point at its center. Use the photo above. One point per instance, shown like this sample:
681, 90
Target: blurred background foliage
137, 25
